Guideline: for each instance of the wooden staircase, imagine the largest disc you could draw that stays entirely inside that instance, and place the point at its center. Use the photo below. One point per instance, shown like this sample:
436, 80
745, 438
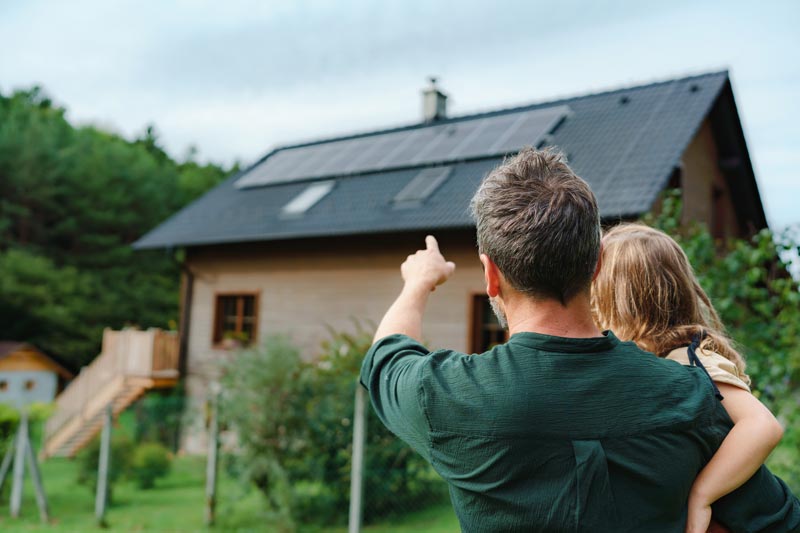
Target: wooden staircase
131, 363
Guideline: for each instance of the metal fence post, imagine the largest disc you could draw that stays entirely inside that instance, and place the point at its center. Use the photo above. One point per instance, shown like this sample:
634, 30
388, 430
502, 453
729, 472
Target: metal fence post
213, 455
357, 463
19, 466
41, 497
101, 499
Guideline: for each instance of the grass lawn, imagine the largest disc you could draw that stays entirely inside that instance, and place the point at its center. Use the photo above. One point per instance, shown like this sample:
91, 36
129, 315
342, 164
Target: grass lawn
176, 504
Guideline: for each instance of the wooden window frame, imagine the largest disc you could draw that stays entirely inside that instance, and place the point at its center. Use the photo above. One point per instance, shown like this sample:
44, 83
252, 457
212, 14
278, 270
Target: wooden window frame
476, 322
219, 343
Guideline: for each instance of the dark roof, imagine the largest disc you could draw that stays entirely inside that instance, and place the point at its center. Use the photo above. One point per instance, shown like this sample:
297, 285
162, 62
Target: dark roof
625, 143
10, 347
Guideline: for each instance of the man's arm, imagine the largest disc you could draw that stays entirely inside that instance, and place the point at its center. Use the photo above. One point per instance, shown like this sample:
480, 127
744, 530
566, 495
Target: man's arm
422, 272
394, 366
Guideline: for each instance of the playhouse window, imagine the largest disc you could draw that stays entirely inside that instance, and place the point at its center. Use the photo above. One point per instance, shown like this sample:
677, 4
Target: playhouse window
235, 319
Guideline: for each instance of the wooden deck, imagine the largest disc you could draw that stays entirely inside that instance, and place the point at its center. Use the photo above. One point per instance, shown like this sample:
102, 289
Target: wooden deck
131, 363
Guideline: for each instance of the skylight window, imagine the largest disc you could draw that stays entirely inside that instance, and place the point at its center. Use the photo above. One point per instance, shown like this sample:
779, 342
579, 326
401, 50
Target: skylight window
422, 186
308, 198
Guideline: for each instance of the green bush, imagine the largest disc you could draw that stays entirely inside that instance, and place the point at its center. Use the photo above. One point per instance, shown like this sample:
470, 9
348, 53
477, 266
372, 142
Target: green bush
294, 422
757, 299
158, 417
263, 391
120, 462
9, 421
151, 461
397, 479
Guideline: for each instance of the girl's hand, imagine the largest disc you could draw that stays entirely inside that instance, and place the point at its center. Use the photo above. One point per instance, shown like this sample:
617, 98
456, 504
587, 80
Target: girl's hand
699, 517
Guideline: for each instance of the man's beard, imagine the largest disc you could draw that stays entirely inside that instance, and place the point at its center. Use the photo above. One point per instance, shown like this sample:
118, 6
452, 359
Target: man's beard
501, 316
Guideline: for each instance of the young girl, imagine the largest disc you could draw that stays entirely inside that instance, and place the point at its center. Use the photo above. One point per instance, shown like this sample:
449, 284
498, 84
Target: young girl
646, 292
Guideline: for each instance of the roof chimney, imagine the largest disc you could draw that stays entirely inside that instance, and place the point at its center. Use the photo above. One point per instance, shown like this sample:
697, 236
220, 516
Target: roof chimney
434, 102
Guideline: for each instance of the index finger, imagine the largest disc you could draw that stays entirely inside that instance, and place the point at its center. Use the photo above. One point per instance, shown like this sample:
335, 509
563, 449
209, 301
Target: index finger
431, 244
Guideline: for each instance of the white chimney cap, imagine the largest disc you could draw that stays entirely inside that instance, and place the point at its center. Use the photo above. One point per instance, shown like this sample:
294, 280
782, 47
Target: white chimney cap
434, 102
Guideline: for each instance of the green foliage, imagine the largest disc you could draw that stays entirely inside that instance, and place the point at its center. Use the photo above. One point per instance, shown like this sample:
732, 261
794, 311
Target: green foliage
9, 419
294, 422
46, 305
397, 479
158, 417
120, 462
263, 391
749, 283
72, 200
150, 462
38, 413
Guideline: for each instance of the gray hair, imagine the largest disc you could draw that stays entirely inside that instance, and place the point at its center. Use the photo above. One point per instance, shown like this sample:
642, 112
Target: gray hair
539, 223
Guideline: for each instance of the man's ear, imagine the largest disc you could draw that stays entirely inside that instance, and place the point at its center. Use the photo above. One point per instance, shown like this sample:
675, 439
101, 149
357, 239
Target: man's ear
599, 263
492, 276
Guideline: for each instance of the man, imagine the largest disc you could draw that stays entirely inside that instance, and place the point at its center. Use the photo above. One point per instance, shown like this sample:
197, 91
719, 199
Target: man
564, 427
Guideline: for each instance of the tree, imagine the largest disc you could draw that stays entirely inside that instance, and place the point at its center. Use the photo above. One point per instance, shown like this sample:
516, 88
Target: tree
72, 200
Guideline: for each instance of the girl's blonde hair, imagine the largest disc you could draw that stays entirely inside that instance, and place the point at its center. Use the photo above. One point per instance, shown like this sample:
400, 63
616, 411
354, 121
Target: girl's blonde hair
646, 292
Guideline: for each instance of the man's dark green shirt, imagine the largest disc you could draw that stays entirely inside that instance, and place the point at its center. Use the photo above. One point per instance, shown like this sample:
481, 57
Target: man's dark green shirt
552, 434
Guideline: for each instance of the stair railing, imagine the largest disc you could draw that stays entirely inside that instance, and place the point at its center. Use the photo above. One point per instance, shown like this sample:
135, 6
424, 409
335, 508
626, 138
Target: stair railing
126, 353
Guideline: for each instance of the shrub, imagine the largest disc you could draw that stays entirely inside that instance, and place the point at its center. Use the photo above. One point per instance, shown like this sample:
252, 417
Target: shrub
397, 479
750, 284
150, 462
294, 422
158, 416
9, 420
120, 460
264, 388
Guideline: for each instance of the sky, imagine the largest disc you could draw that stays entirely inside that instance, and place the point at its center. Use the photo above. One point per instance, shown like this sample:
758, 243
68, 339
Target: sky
233, 79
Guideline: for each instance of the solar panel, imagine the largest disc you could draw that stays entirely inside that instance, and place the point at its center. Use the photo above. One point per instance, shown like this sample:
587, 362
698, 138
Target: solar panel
321, 158
530, 130
430, 144
416, 142
346, 152
452, 136
489, 131
376, 148
421, 186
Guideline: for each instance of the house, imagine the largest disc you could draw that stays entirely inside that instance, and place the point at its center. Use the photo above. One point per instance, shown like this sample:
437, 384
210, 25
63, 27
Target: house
312, 234
27, 375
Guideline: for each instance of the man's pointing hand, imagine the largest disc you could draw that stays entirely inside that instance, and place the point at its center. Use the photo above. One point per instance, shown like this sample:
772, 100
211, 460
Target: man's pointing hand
427, 268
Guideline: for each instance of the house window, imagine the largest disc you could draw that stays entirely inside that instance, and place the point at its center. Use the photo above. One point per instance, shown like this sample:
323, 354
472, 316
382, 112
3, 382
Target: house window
30, 384
486, 329
235, 319
3, 385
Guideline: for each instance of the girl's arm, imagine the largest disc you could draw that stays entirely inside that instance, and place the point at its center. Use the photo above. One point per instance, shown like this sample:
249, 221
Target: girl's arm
754, 435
